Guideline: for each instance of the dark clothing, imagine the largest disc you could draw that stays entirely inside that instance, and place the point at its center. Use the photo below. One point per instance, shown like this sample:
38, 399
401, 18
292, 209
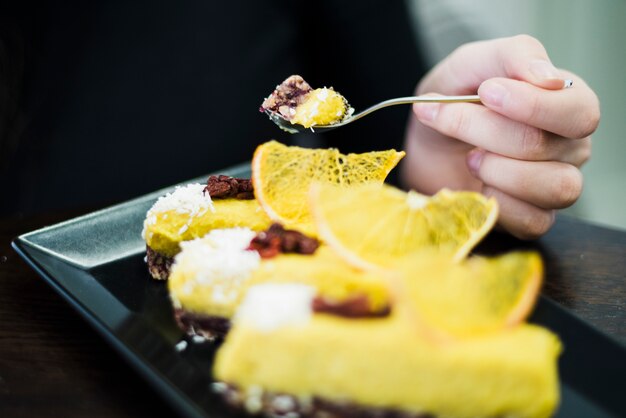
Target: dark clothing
119, 98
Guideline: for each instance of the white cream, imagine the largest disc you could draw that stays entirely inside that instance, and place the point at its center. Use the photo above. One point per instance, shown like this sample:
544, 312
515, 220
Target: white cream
267, 307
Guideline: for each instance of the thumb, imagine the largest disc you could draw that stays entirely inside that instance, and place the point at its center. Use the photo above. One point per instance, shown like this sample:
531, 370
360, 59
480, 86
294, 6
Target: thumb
519, 57
543, 74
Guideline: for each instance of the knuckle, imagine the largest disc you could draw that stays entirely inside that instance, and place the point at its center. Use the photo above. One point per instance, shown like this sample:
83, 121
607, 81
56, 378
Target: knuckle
584, 151
463, 48
466, 49
526, 41
568, 186
590, 121
587, 117
535, 111
533, 143
519, 47
458, 122
537, 224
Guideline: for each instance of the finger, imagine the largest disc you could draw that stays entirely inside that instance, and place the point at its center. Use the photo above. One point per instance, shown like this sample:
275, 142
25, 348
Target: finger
571, 113
429, 152
522, 219
520, 57
546, 184
486, 129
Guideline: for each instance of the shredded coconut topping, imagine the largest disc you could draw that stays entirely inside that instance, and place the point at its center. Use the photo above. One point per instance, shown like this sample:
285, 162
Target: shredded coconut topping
184, 199
230, 238
267, 307
188, 199
314, 111
219, 260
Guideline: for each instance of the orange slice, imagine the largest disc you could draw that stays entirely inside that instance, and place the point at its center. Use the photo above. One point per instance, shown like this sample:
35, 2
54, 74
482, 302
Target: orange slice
475, 297
282, 175
373, 226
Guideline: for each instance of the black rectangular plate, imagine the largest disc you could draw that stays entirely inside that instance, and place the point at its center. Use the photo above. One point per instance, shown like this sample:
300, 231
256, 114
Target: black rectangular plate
96, 262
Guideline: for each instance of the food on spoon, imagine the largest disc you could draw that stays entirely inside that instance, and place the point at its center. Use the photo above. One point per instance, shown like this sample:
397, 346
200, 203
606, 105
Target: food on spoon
211, 275
297, 102
191, 211
399, 224
282, 175
283, 359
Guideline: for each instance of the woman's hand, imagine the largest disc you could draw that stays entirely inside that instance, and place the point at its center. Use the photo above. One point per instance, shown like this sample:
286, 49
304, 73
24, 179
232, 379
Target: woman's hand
524, 145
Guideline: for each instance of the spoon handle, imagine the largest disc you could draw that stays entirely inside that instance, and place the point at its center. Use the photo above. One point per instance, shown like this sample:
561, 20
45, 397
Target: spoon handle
436, 99
285, 125
417, 99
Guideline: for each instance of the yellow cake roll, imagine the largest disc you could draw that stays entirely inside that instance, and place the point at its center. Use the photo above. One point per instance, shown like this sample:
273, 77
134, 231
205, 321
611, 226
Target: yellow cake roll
211, 276
188, 213
317, 361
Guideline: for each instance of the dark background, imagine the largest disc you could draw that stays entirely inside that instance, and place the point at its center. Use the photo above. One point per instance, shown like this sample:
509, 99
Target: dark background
106, 100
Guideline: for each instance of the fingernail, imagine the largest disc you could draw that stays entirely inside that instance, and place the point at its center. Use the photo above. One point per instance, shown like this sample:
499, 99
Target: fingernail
474, 159
426, 112
544, 70
493, 93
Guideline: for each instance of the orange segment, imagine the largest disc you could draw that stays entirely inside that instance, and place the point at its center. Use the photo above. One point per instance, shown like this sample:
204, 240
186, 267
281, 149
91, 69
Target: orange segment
282, 175
374, 225
469, 299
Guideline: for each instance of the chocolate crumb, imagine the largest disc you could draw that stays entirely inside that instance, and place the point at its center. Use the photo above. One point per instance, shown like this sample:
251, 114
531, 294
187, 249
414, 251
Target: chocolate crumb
159, 265
278, 240
276, 404
287, 96
224, 187
211, 328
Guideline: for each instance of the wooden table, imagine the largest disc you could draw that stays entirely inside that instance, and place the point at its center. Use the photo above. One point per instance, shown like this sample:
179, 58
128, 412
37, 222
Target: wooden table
53, 364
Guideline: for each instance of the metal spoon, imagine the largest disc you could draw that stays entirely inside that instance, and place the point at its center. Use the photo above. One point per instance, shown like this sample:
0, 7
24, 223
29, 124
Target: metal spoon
287, 126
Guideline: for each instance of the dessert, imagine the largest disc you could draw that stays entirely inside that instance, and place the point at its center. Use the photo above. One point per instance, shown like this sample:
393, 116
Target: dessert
296, 101
192, 210
211, 276
364, 303
292, 360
